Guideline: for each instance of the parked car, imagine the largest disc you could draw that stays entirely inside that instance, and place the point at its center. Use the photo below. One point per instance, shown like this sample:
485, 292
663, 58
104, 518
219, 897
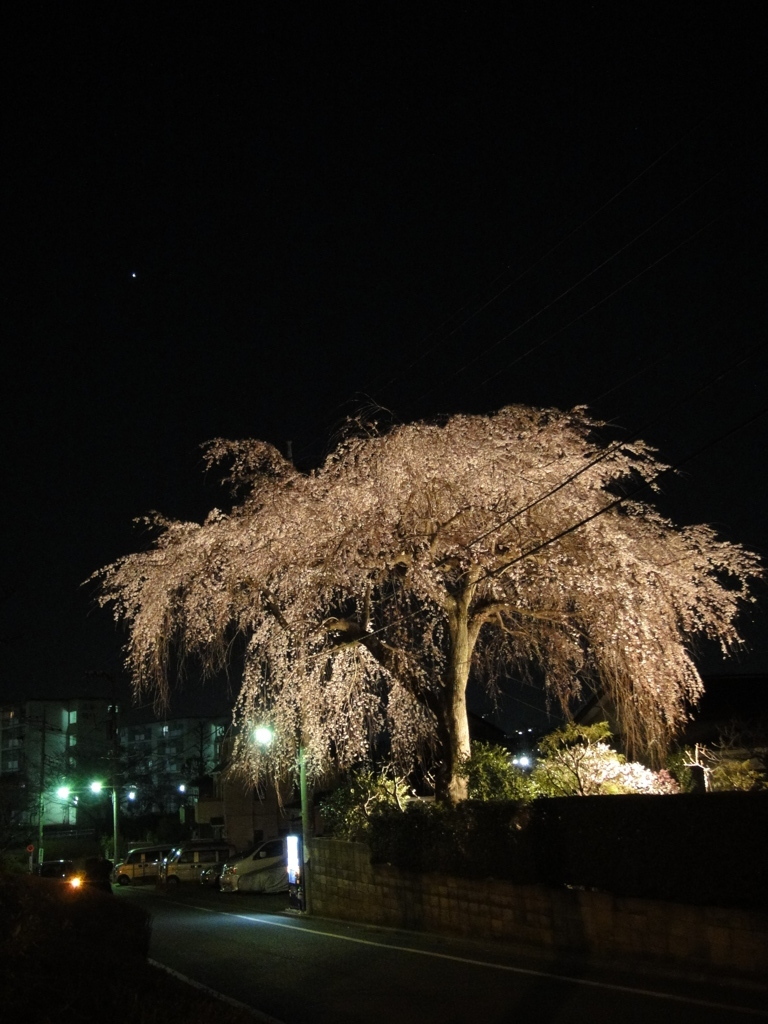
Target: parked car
61, 869
264, 869
98, 872
95, 873
211, 876
187, 862
141, 864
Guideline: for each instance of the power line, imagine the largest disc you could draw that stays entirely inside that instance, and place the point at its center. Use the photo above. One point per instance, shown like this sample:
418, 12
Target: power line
630, 494
616, 195
616, 446
553, 249
489, 574
586, 312
572, 287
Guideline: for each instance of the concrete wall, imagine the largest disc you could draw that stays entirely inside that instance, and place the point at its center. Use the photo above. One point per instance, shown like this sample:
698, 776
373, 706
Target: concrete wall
346, 885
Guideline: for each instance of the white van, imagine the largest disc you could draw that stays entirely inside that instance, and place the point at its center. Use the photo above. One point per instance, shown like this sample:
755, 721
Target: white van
264, 869
188, 861
141, 864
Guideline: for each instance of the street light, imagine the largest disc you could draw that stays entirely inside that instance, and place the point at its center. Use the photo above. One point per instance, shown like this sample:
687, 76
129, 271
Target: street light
64, 792
97, 787
264, 737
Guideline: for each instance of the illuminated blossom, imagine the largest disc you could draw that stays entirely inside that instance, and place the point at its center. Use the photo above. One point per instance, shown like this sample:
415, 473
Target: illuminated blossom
368, 590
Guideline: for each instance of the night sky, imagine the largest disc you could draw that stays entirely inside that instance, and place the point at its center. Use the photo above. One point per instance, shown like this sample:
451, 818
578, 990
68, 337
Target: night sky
251, 225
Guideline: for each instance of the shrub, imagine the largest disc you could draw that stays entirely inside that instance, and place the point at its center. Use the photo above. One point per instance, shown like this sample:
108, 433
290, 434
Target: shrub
81, 956
681, 847
490, 774
348, 810
475, 838
578, 761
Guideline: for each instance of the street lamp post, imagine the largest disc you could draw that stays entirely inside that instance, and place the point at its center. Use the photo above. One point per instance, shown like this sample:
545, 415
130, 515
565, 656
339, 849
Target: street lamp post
64, 792
305, 829
41, 801
40, 826
264, 736
97, 787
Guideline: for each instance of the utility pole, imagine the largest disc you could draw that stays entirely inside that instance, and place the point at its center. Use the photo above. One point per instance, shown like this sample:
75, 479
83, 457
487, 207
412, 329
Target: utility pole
306, 831
114, 753
41, 793
116, 839
114, 773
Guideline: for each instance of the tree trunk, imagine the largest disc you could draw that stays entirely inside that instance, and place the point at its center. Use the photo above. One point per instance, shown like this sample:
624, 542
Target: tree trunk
450, 787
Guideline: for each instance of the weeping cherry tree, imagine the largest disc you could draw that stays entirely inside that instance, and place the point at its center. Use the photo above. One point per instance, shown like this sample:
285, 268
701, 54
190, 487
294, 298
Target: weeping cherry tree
369, 591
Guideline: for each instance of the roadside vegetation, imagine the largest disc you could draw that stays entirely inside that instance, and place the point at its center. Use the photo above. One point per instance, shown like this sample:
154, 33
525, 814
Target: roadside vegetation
574, 761
81, 956
549, 823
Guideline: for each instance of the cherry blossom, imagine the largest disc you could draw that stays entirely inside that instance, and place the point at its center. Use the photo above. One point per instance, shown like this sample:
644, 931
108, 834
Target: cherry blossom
368, 591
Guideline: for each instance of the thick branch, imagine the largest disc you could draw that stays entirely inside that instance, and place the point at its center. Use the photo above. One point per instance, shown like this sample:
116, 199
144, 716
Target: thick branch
390, 658
353, 632
270, 603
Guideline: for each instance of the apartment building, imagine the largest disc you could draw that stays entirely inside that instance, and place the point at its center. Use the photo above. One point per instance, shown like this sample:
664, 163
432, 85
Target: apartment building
45, 743
155, 765
163, 761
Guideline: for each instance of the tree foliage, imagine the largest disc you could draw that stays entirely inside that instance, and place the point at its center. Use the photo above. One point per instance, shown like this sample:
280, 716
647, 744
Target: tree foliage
577, 760
347, 811
369, 589
738, 760
491, 775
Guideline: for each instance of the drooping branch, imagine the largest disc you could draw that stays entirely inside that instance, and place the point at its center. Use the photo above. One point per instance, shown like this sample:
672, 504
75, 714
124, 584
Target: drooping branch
369, 589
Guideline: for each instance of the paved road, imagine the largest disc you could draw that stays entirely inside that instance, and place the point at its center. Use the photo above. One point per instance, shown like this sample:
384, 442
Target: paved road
298, 970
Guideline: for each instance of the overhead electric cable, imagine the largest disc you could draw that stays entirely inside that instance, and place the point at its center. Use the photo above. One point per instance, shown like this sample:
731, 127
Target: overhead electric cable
489, 574
625, 497
615, 446
586, 312
425, 352
572, 287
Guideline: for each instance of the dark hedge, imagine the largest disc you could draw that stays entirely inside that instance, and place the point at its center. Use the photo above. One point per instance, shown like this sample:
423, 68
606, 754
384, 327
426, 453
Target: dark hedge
69, 956
690, 848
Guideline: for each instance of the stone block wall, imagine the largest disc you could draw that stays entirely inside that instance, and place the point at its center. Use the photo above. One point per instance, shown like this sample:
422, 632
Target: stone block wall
347, 886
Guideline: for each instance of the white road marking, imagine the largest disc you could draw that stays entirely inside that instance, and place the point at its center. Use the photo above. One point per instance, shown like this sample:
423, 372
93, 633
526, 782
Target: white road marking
586, 982
262, 1018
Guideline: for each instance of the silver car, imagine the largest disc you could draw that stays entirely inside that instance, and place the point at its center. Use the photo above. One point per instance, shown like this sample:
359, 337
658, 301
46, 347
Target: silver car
190, 860
141, 864
264, 869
